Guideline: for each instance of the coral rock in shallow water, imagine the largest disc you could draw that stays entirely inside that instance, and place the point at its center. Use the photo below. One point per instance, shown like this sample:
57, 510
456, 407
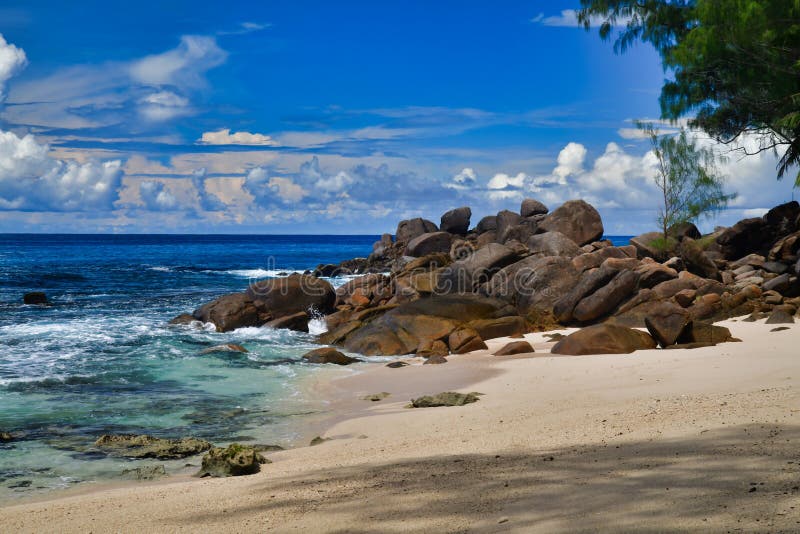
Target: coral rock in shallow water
232, 461
145, 446
448, 398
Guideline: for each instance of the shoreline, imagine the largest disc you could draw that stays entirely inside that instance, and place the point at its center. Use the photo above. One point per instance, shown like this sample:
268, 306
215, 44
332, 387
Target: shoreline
707, 421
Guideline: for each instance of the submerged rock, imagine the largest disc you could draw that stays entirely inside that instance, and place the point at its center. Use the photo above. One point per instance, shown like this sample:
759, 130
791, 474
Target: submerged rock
5, 437
35, 297
448, 398
146, 446
232, 461
229, 347
328, 355
145, 472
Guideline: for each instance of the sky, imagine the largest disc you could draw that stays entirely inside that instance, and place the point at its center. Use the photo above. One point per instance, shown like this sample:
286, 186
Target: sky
325, 117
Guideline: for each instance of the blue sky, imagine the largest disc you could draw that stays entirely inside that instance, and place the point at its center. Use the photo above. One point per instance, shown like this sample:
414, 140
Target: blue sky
322, 117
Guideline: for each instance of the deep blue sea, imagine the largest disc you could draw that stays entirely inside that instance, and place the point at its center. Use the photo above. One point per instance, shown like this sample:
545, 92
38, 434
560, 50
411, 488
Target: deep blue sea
102, 359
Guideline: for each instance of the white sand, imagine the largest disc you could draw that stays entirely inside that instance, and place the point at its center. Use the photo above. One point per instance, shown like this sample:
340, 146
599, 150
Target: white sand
653, 441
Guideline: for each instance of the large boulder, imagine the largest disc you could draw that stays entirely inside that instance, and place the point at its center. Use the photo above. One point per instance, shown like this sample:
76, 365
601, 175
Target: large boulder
553, 244
590, 260
464, 340
667, 323
146, 446
652, 245
501, 327
230, 312
279, 297
684, 229
576, 219
505, 220
487, 224
430, 243
588, 284
464, 276
515, 347
297, 322
531, 207
700, 332
456, 221
742, 238
232, 461
696, 260
652, 274
411, 228
607, 298
534, 284
604, 339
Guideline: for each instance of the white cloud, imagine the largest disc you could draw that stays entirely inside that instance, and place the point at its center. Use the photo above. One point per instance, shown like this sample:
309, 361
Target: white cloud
183, 66
156, 197
504, 181
12, 61
286, 189
467, 176
31, 180
164, 105
568, 18
225, 137
570, 161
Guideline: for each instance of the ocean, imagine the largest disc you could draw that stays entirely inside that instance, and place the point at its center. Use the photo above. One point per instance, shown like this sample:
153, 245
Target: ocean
101, 359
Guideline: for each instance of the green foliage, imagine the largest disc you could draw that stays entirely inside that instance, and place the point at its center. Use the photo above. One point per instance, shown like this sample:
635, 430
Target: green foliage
687, 177
735, 63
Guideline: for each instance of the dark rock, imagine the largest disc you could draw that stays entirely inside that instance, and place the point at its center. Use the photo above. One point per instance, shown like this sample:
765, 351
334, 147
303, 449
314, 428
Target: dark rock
279, 297
145, 446
604, 339
775, 267
505, 220
588, 284
594, 259
339, 334
532, 207
520, 233
318, 441
515, 347
780, 317
667, 323
408, 230
397, 364
535, 283
487, 224
742, 238
376, 397
780, 329
466, 275
5, 437
651, 245
693, 345
233, 461
786, 248
607, 298
328, 355
230, 312
500, 327
183, 319
684, 229
696, 260
297, 322
783, 217
448, 398
780, 283
436, 359
652, 274
431, 243
553, 244
228, 347
577, 220
456, 221
35, 297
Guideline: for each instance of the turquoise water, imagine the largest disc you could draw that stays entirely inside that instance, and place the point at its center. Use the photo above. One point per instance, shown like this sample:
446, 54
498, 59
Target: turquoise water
101, 359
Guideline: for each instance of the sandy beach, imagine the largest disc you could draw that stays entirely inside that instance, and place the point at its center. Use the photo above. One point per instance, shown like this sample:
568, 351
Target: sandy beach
661, 440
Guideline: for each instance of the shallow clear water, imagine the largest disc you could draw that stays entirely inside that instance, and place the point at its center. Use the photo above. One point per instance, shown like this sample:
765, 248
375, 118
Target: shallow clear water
101, 359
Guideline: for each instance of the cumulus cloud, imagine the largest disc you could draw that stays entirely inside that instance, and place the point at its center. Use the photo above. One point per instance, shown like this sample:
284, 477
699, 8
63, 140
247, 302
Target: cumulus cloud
206, 200
268, 189
286, 189
156, 197
12, 61
225, 137
31, 180
504, 181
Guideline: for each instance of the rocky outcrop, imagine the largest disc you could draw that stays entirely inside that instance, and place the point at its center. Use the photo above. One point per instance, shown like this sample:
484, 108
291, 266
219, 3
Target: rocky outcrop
604, 339
576, 219
668, 323
279, 297
228, 347
553, 244
297, 322
232, 461
465, 276
512, 325
230, 312
328, 355
146, 446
